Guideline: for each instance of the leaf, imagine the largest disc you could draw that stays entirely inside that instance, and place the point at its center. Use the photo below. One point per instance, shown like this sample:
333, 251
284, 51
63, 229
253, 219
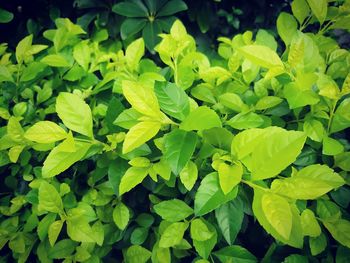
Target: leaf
189, 175
278, 213
139, 235
131, 26
130, 9
74, 113
5, 16
23, 47
49, 199
300, 10
15, 130
173, 234
235, 254
201, 118
262, 56
233, 102
79, 230
142, 98
310, 182
342, 160
63, 248
267, 102
172, 7
314, 129
229, 176
209, 196
309, 224
132, 177
319, 9
179, 146
341, 117
59, 160
128, 118
150, 34
317, 244
229, 217
173, 210
271, 156
55, 61
340, 231
137, 254
134, 53
139, 134
54, 231
295, 238
45, 132
244, 121
286, 27
172, 100
199, 230
204, 248
121, 215
81, 54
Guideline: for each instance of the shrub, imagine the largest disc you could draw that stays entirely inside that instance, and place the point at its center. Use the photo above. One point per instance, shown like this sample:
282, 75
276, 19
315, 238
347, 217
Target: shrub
107, 155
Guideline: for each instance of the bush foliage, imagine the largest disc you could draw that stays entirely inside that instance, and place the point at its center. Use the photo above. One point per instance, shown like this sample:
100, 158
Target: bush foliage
240, 155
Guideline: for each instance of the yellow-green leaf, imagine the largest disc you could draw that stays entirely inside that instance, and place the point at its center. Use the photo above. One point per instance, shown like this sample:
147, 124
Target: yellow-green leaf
45, 132
229, 176
262, 56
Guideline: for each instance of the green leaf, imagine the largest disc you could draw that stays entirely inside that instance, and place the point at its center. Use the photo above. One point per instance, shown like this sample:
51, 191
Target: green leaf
22, 48
121, 215
201, 118
139, 134
340, 231
179, 146
273, 155
300, 10
342, 254
262, 56
54, 231
130, 9
286, 27
189, 175
139, 235
63, 248
236, 254
60, 160
132, 177
137, 254
172, 7
128, 118
310, 182
319, 9
244, 121
233, 102
341, 117
150, 34
230, 217
45, 132
173, 235
209, 196
295, 258
267, 102
5, 16
172, 100
44, 224
314, 129
278, 213
142, 98
134, 53
342, 160
229, 176
131, 26
15, 130
204, 248
309, 224
81, 54
317, 244
74, 113
55, 61
331, 146
297, 97
295, 238
78, 229
49, 199
173, 210
199, 230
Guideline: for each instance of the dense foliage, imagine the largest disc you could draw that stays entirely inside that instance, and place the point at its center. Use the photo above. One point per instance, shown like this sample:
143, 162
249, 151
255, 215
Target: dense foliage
240, 155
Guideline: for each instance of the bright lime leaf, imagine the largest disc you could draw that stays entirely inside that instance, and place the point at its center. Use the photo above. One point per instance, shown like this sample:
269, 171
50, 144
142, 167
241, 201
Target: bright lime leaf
200, 231
49, 199
235, 254
309, 224
189, 175
74, 113
261, 56
229, 176
121, 215
172, 235
132, 177
173, 210
137, 254
200, 119
45, 132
